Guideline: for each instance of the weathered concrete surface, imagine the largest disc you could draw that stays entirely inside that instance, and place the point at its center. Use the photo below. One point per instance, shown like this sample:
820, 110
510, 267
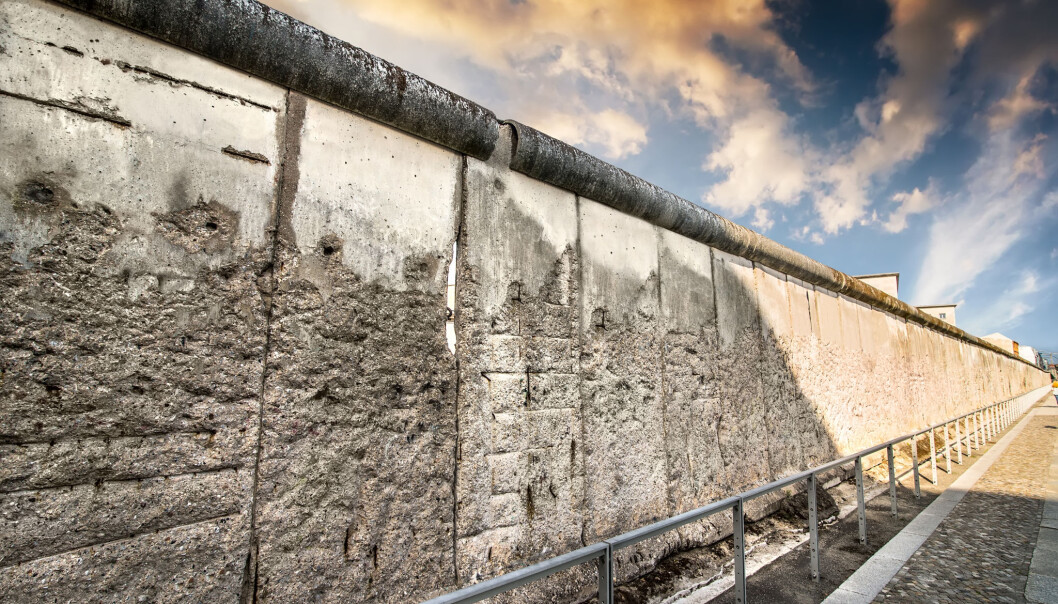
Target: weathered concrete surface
621, 373
521, 475
693, 407
224, 372
741, 429
132, 326
358, 426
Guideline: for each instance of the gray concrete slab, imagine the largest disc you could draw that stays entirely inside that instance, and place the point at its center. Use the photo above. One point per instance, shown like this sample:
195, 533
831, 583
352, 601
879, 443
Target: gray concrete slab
1042, 590
904, 545
1050, 509
1044, 563
872, 576
1048, 540
844, 596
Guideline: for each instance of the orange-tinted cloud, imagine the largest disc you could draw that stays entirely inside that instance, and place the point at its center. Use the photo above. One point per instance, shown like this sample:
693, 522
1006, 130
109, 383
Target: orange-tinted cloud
590, 71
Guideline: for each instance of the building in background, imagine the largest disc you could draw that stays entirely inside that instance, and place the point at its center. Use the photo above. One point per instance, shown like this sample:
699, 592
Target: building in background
944, 312
1026, 352
887, 282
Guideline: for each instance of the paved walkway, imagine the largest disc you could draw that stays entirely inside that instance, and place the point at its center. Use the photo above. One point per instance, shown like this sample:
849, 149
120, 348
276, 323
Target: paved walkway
983, 550
991, 541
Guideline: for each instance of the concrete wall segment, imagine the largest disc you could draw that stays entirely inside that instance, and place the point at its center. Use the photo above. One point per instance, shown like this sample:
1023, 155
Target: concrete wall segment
520, 488
357, 454
269, 44
278, 48
562, 165
133, 251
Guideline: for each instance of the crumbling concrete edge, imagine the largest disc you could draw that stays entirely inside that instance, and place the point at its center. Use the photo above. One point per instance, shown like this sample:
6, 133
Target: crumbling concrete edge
269, 44
550, 160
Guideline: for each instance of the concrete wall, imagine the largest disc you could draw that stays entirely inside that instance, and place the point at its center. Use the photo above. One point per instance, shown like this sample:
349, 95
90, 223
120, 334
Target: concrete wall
224, 373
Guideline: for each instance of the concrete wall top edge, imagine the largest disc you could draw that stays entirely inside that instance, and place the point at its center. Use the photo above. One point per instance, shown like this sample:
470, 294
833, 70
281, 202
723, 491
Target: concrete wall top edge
271, 45
553, 161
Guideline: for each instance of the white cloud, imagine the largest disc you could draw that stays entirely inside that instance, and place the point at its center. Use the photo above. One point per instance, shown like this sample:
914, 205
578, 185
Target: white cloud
617, 134
1015, 106
762, 162
980, 224
916, 201
1018, 300
926, 41
762, 220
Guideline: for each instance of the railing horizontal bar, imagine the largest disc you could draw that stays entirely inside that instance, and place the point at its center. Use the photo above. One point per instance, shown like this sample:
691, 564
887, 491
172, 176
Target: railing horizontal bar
546, 568
664, 526
540, 570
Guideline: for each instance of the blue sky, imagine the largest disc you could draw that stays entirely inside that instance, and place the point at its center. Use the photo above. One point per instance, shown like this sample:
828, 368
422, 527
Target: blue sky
916, 136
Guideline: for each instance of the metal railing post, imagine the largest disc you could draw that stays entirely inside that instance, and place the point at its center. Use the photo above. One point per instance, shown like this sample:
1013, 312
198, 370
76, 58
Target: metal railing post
861, 508
990, 423
947, 450
892, 477
914, 460
606, 576
738, 520
933, 454
813, 526
958, 443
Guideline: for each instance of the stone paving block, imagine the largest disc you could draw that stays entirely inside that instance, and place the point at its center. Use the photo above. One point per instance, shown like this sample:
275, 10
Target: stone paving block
1044, 563
844, 596
903, 546
1042, 589
1050, 509
1048, 539
873, 576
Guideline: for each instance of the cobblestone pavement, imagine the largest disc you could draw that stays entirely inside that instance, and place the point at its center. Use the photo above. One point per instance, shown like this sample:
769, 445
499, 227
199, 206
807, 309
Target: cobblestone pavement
981, 552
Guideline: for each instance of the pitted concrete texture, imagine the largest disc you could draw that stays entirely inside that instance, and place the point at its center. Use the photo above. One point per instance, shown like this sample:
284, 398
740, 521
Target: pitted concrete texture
520, 493
132, 248
982, 551
358, 424
621, 375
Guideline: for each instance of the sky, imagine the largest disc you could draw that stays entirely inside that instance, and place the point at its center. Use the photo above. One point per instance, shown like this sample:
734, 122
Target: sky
910, 136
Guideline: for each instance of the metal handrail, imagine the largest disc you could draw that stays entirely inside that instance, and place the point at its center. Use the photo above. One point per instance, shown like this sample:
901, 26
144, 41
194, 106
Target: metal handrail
993, 419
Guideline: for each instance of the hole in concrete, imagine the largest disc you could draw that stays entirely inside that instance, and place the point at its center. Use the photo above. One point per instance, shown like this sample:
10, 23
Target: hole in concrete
450, 292
329, 245
39, 193
211, 226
